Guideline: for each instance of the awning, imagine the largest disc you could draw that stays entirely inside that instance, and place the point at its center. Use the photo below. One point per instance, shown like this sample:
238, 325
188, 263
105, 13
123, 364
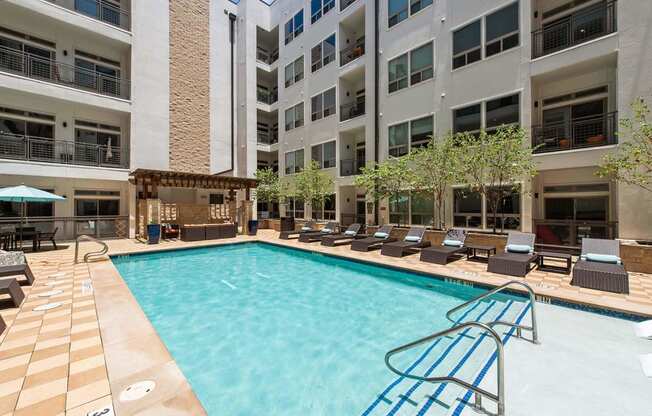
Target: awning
166, 178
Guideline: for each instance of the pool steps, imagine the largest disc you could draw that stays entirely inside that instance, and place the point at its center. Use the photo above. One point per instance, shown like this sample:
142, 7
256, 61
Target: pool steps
466, 355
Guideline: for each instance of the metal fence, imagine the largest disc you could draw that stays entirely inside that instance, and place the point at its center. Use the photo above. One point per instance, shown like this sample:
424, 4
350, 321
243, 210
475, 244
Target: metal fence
571, 232
349, 167
268, 136
352, 52
266, 96
101, 10
582, 132
352, 110
346, 3
63, 152
265, 56
582, 26
37, 67
68, 228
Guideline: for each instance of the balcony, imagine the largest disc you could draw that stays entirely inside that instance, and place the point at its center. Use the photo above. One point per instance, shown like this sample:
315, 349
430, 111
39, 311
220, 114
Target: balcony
352, 52
266, 57
268, 137
346, 3
351, 167
101, 10
352, 110
36, 67
40, 149
580, 133
580, 27
265, 96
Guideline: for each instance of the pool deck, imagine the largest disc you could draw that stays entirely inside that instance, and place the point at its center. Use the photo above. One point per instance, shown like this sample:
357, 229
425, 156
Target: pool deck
80, 356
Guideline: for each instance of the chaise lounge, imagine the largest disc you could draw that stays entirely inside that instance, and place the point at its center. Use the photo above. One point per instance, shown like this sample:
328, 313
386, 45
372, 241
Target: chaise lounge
329, 229
518, 258
14, 263
451, 247
410, 244
308, 227
351, 233
600, 267
370, 243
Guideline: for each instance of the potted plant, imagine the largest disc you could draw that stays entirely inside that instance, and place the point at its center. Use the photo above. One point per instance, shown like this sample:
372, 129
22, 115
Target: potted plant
153, 233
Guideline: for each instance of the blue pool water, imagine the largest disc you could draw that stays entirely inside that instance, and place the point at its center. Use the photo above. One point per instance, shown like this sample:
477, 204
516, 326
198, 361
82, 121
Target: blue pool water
264, 330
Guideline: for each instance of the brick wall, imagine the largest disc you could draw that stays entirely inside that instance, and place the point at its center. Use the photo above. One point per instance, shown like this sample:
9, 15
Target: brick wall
189, 86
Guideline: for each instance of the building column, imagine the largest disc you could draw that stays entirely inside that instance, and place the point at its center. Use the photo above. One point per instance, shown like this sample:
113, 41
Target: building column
527, 206
132, 194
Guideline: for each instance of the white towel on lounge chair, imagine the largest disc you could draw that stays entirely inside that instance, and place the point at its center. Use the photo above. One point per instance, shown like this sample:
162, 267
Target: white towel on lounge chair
643, 329
646, 364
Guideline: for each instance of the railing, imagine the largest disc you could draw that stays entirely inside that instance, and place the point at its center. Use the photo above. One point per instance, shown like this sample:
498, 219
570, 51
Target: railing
69, 228
352, 110
571, 232
268, 137
92, 254
346, 3
498, 397
352, 52
266, 96
534, 329
102, 10
582, 26
40, 68
41, 149
348, 219
350, 167
592, 131
265, 56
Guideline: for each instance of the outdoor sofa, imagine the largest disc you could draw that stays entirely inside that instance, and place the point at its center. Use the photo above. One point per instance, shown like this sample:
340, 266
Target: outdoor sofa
410, 244
519, 256
600, 267
351, 233
451, 247
375, 241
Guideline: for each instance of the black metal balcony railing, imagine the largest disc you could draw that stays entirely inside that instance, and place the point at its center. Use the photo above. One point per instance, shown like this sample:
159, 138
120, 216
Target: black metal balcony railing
352, 52
265, 56
268, 137
266, 96
582, 26
40, 68
350, 167
346, 3
41, 149
352, 110
101, 10
579, 133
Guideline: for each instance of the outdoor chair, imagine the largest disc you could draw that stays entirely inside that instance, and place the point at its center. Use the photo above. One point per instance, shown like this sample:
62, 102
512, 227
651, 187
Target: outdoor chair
518, 258
452, 247
13, 263
351, 233
600, 267
375, 241
329, 229
410, 244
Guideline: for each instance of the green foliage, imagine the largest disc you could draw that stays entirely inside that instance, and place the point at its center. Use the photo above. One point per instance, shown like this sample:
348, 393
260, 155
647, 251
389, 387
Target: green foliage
632, 164
386, 179
269, 188
437, 167
495, 164
312, 185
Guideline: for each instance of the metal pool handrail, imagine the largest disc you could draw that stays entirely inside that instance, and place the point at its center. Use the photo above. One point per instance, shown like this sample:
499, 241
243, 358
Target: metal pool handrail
498, 397
534, 328
105, 248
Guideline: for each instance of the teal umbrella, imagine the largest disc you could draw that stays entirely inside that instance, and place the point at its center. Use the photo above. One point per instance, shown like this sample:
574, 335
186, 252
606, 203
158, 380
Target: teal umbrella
25, 194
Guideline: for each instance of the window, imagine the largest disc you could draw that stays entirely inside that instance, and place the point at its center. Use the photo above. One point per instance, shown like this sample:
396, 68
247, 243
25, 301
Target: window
34, 209
399, 209
324, 154
421, 131
397, 11
294, 162
508, 214
421, 64
295, 208
467, 209
294, 27
325, 211
294, 117
422, 209
467, 46
96, 143
418, 5
319, 8
467, 119
97, 203
294, 72
97, 76
323, 105
398, 140
216, 199
323, 53
501, 31
498, 112
398, 69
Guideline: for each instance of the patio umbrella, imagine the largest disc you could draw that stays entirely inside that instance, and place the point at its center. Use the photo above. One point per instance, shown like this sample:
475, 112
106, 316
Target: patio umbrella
25, 194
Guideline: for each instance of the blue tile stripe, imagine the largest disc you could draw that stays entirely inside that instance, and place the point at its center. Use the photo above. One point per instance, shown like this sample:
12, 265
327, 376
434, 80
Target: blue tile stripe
441, 358
469, 353
417, 362
490, 362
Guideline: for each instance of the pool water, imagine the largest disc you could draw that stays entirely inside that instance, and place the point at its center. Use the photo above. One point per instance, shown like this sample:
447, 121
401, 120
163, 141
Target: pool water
264, 330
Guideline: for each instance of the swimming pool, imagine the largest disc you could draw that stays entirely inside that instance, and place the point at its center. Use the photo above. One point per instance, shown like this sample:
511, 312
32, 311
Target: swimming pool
260, 329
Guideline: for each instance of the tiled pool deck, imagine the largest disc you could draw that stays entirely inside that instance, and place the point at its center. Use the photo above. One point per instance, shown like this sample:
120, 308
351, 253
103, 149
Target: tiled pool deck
81, 355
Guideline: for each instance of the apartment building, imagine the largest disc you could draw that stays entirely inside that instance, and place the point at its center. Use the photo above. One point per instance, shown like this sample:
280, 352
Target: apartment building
91, 90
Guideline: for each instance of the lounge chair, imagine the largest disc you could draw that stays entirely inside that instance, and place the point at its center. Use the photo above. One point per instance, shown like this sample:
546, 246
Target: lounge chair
3, 325
600, 267
329, 229
12, 288
410, 244
518, 258
308, 227
451, 247
13, 263
351, 233
375, 241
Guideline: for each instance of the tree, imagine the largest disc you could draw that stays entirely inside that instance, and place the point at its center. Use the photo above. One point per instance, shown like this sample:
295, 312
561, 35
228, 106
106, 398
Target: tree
496, 163
269, 187
387, 179
437, 167
632, 164
312, 185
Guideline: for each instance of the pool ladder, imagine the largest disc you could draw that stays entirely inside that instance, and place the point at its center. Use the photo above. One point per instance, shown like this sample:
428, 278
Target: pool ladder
92, 254
499, 396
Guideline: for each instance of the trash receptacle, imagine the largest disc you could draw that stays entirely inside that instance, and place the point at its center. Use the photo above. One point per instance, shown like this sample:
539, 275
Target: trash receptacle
253, 227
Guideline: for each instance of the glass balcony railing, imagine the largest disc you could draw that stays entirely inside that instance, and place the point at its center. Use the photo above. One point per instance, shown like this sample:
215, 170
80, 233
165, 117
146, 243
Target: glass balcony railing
592, 131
